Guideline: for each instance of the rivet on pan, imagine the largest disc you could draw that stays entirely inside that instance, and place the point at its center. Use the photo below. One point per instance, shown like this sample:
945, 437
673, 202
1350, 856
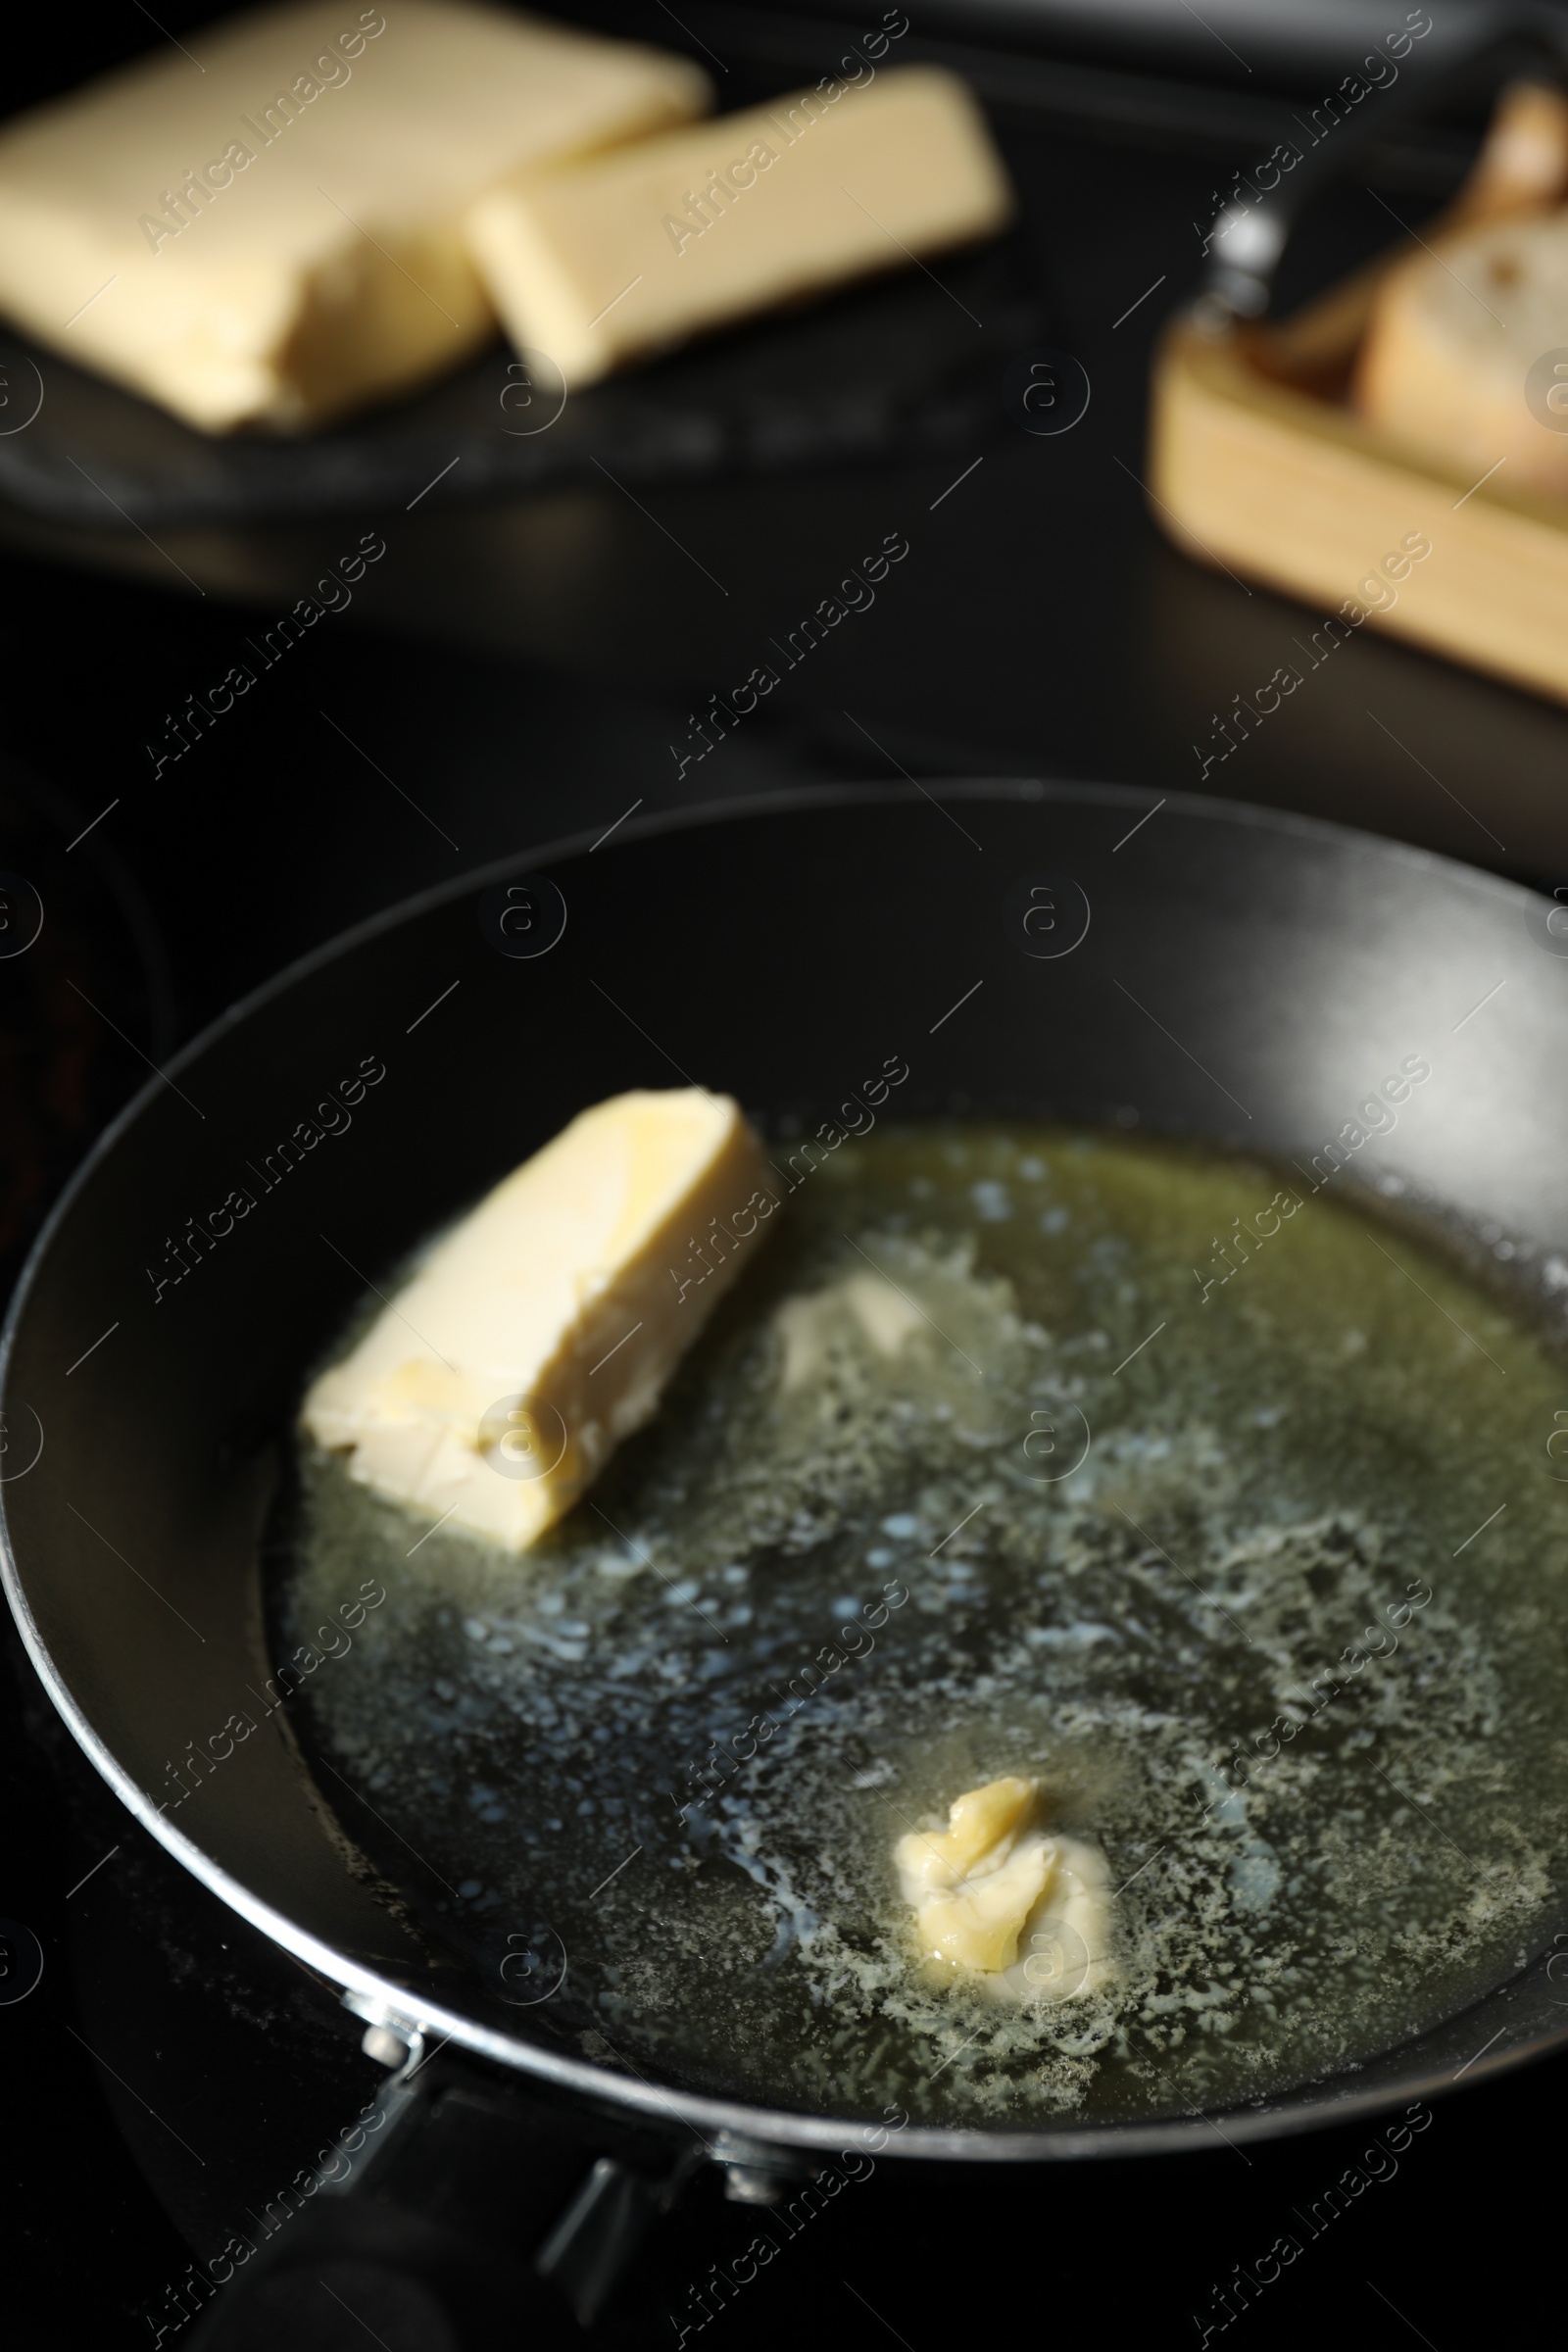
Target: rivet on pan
390, 2036
384, 2046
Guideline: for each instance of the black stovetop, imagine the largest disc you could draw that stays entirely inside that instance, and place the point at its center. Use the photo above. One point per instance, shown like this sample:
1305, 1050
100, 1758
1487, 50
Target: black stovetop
511, 672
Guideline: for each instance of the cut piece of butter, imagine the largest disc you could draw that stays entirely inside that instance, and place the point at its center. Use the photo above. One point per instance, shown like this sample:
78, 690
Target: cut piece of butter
629, 252
263, 229
865, 1304
542, 1330
996, 1899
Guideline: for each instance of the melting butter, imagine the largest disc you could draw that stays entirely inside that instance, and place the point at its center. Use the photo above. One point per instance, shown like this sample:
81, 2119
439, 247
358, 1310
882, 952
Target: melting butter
998, 1897
865, 1303
541, 1331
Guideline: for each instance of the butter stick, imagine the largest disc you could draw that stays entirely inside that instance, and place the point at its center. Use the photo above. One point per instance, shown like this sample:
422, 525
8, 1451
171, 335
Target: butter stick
541, 1331
263, 227
597, 264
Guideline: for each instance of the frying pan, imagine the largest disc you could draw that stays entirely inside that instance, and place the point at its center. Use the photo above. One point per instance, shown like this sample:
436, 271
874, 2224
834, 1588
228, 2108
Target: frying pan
1218, 971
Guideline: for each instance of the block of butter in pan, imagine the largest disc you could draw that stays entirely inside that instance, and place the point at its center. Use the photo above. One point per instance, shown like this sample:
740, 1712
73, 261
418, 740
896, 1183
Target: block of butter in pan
542, 1330
266, 232
625, 253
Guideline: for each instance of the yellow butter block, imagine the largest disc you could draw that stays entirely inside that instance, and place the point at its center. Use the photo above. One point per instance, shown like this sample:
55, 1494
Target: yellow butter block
622, 255
541, 1331
261, 224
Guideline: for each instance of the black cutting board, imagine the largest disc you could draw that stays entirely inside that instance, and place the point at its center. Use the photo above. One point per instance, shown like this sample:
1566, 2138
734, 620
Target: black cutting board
885, 369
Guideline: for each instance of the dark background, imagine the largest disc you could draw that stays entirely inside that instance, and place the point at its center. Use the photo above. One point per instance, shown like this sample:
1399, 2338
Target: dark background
511, 671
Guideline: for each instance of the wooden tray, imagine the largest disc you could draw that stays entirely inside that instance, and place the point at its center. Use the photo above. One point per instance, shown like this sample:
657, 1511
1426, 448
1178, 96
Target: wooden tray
1260, 466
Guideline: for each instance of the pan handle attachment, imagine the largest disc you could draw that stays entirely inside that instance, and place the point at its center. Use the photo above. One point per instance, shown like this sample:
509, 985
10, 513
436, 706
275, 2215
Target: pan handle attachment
482, 2217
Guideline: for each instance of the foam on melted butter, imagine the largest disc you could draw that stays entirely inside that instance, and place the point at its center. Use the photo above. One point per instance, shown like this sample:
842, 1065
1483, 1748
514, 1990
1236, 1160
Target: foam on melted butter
996, 1897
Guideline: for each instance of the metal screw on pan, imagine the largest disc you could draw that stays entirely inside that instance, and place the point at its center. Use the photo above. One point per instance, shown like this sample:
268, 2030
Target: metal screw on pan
389, 2038
384, 2046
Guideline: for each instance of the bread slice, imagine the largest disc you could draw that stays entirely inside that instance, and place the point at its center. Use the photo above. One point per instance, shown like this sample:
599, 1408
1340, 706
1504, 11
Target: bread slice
1452, 340
1523, 165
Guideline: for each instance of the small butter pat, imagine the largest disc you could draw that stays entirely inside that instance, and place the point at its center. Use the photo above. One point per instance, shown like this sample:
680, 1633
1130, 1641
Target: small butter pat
265, 227
542, 1330
606, 260
996, 1897
866, 1305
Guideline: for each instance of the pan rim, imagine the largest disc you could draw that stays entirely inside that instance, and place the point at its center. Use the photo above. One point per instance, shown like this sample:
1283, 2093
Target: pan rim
744, 2125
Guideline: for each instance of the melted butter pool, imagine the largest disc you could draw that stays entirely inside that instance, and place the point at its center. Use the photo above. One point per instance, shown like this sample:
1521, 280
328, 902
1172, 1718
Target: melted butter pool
1207, 1563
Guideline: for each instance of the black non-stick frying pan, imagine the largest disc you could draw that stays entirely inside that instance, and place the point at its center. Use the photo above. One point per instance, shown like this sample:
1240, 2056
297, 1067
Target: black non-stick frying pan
1223, 973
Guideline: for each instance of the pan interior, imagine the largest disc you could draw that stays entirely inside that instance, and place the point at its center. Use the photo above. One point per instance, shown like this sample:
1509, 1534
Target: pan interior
1251, 1641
